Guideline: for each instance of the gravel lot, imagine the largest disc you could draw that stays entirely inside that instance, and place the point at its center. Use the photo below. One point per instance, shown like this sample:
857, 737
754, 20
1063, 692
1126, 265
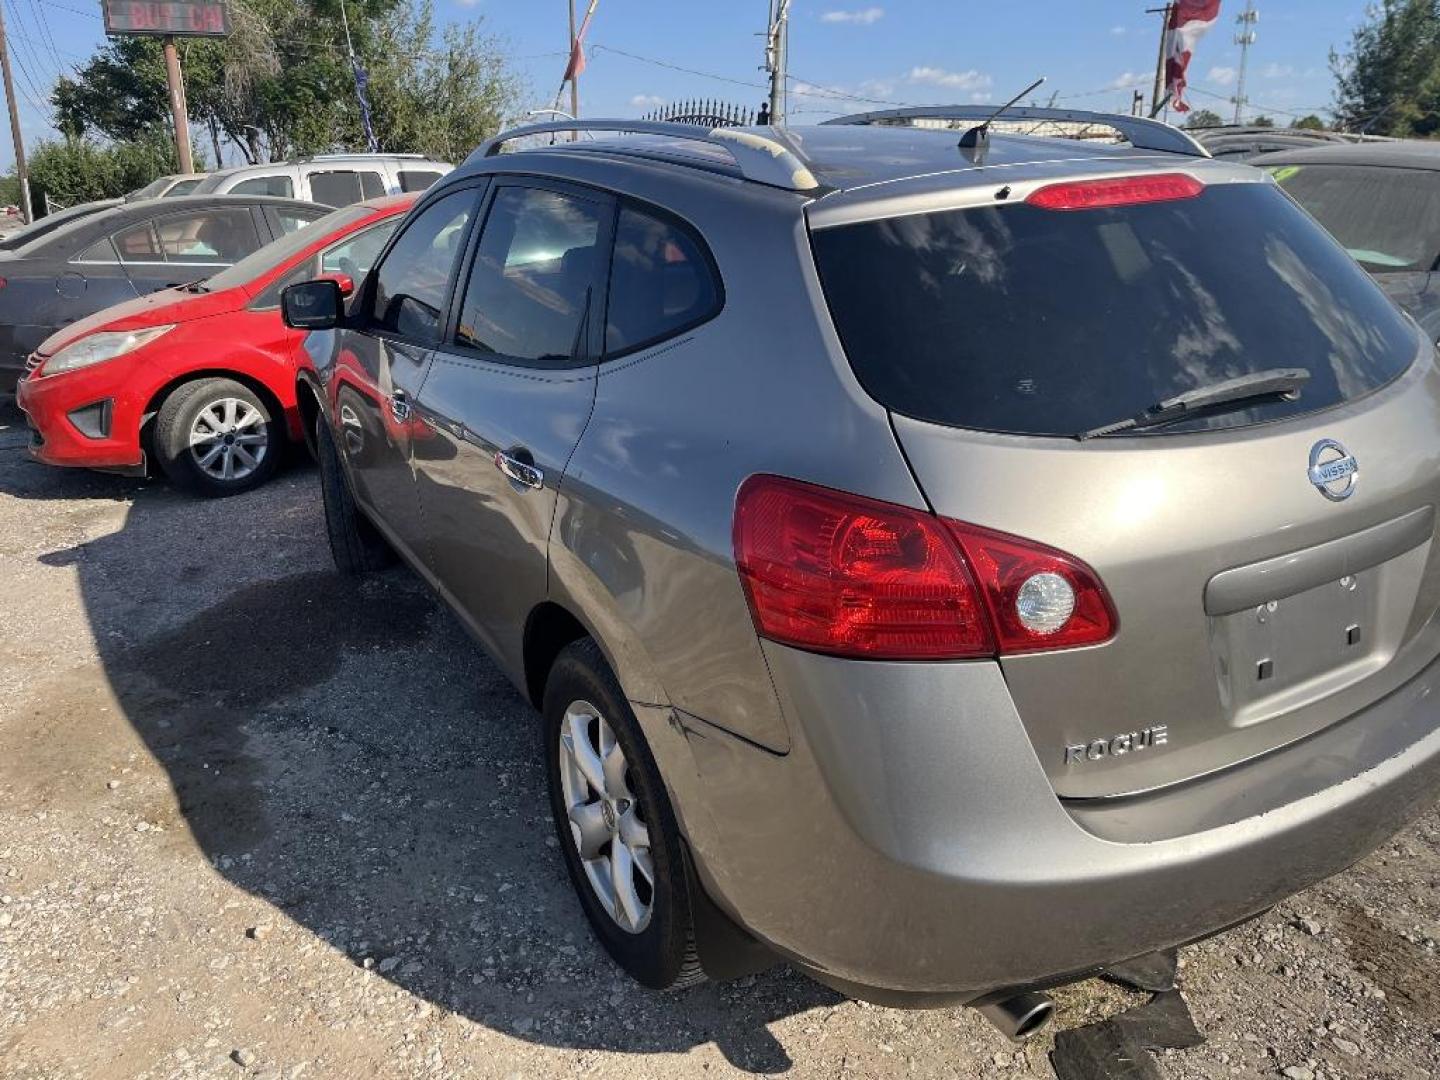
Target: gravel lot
256, 820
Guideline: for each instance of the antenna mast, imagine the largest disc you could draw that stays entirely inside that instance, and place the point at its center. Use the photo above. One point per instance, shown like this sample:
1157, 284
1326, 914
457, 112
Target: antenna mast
1245, 38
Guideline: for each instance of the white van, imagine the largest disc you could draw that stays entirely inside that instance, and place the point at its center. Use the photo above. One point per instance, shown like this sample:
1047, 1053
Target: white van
331, 179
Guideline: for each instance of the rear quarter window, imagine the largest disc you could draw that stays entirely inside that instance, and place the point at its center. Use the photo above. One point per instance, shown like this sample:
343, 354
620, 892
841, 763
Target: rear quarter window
1030, 321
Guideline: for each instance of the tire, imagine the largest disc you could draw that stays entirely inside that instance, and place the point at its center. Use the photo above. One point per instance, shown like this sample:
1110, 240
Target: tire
657, 950
355, 544
244, 446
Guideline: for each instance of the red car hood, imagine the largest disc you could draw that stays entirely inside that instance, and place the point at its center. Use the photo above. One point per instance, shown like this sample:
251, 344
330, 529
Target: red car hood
156, 309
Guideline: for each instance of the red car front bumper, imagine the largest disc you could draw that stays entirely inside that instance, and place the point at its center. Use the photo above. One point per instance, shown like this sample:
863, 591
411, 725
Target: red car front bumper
88, 419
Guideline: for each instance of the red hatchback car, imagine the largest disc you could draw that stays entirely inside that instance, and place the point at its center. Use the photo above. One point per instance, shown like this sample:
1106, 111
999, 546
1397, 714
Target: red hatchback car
200, 378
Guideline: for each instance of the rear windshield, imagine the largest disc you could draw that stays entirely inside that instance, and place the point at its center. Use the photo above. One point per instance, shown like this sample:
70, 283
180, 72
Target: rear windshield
1387, 218
1043, 322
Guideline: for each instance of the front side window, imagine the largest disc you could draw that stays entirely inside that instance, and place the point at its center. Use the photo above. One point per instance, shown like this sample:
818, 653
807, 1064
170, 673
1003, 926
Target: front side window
281, 186
661, 282
412, 283
208, 236
1387, 218
534, 277
295, 220
353, 256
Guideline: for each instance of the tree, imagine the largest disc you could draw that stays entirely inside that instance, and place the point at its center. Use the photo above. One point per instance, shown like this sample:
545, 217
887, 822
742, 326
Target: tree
75, 170
1309, 123
1389, 81
282, 83
1262, 122
1204, 118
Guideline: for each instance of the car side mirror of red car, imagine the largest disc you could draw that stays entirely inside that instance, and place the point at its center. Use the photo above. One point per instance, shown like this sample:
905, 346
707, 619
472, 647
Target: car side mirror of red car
313, 305
345, 281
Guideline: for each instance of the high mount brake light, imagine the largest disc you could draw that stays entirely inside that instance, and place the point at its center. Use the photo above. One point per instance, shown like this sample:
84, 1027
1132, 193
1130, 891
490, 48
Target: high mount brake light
1116, 191
841, 574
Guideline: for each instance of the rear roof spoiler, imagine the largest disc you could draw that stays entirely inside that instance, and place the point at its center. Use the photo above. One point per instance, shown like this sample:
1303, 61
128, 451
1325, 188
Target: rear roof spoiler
758, 158
1139, 132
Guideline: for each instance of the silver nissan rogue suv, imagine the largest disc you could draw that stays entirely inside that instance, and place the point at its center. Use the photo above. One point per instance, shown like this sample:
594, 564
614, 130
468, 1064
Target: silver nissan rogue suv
953, 562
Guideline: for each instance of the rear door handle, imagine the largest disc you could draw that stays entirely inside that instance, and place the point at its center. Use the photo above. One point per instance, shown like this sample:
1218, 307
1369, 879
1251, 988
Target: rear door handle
523, 473
400, 406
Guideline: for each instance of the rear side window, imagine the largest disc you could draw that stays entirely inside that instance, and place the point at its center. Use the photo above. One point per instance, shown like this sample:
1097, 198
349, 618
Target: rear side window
534, 277
661, 282
417, 179
209, 237
138, 244
412, 283
282, 186
1387, 218
343, 187
1044, 322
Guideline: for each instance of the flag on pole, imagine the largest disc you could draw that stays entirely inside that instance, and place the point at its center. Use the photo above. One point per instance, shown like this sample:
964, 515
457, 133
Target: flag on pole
1190, 20
577, 49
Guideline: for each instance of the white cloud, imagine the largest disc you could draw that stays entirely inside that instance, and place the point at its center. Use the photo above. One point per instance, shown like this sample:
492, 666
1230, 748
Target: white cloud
951, 80
468, 3
1129, 80
1118, 31
863, 17
1223, 75
646, 101
1278, 71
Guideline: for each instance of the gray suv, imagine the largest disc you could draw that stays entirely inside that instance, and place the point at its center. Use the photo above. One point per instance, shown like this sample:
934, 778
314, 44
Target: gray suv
955, 563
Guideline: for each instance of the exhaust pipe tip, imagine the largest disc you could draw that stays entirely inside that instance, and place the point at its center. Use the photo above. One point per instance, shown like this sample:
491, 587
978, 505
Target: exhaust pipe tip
1019, 1017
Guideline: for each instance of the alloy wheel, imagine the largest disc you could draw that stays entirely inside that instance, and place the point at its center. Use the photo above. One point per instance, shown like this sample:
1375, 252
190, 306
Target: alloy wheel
607, 824
229, 438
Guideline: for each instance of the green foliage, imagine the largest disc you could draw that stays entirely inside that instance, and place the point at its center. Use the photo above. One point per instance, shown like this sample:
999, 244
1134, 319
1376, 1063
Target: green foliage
1389, 81
282, 83
76, 169
1203, 118
1262, 122
1309, 123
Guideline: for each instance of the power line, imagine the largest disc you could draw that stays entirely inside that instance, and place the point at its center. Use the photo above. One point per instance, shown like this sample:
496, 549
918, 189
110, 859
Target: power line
45, 31
677, 67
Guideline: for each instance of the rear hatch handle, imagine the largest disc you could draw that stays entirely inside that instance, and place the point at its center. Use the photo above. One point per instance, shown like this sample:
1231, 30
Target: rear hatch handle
1283, 383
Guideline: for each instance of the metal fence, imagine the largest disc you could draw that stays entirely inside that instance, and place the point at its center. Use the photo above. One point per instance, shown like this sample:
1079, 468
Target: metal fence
711, 114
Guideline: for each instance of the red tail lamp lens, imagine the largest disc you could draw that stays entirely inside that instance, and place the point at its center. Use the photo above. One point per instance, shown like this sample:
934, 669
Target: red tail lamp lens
837, 573
1116, 191
1005, 564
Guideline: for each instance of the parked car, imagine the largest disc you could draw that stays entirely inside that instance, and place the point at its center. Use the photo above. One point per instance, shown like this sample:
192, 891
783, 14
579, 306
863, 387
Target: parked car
1238, 142
198, 379
168, 187
1382, 201
127, 251
43, 226
332, 179
925, 567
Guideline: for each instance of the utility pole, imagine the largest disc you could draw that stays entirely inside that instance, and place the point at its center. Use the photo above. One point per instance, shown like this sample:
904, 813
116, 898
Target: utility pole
1157, 96
1245, 38
21, 172
177, 105
777, 40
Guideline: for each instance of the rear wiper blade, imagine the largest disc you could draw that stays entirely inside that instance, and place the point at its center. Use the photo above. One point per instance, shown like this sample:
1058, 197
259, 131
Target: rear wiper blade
1283, 383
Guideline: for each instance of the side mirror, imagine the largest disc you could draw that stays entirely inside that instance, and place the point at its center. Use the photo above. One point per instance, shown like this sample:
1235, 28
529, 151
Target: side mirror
345, 281
312, 305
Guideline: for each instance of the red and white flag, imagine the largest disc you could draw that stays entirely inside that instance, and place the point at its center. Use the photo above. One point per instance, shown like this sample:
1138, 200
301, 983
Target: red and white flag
577, 50
1190, 20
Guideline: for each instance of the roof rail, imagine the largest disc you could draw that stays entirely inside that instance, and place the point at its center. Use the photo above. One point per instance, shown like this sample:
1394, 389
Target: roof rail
758, 158
1139, 132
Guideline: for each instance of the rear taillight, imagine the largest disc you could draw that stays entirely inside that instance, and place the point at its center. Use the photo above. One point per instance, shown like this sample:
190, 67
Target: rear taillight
837, 573
1038, 598
1116, 191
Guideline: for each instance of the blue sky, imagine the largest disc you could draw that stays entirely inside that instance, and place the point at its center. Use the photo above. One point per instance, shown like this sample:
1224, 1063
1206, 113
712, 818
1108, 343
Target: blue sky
906, 51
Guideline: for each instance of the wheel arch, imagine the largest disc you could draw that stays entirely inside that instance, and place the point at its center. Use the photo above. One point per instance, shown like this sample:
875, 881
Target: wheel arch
258, 387
307, 402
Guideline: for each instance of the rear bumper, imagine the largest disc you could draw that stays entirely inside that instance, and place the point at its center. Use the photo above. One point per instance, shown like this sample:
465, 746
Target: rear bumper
911, 846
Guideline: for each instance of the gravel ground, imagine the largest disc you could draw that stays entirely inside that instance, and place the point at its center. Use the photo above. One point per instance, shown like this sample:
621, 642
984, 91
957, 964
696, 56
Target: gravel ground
259, 821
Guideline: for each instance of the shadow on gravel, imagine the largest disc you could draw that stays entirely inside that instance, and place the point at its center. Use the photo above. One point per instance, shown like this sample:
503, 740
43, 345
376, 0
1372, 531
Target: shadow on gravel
345, 753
